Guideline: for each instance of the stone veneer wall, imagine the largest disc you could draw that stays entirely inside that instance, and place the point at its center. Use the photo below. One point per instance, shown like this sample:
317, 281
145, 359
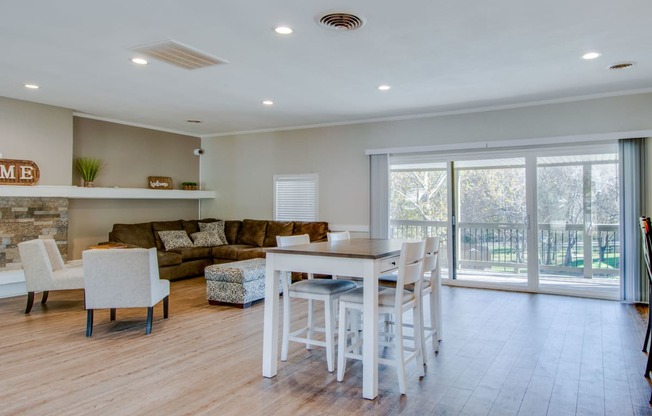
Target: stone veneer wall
23, 219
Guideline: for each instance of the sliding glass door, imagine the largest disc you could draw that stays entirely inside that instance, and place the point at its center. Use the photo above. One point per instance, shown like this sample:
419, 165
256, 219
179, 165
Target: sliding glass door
578, 214
543, 220
491, 220
419, 204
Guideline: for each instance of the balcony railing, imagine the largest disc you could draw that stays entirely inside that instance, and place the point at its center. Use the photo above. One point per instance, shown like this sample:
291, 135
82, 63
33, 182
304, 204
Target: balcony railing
503, 247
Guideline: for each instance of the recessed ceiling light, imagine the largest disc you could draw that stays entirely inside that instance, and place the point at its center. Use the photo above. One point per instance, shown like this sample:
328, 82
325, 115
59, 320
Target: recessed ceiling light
384, 87
32, 86
268, 102
283, 30
193, 121
139, 61
591, 55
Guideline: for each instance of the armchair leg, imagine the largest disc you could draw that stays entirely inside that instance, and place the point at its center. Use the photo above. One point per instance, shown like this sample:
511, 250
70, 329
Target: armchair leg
150, 313
45, 297
165, 306
30, 302
113, 314
89, 322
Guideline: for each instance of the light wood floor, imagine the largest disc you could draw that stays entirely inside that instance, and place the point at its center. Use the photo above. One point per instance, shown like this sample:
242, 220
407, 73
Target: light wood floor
502, 354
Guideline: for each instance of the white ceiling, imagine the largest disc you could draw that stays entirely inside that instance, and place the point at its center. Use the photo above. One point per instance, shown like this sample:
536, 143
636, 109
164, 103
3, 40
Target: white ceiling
437, 55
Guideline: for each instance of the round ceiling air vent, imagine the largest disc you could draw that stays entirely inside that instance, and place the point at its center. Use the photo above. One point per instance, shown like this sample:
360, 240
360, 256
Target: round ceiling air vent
623, 65
341, 21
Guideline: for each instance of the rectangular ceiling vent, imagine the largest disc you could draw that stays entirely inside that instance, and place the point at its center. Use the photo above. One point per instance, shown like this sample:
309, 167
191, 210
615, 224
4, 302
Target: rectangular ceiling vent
178, 54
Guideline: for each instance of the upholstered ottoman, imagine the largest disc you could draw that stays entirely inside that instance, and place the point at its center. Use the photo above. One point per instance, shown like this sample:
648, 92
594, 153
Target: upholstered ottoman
238, 283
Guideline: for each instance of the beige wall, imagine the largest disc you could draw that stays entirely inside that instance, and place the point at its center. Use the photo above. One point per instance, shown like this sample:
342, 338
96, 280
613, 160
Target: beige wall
130, 154
241, 168
38, 132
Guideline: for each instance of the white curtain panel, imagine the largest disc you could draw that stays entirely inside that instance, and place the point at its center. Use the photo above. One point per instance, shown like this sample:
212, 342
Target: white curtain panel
632, 154
379, 204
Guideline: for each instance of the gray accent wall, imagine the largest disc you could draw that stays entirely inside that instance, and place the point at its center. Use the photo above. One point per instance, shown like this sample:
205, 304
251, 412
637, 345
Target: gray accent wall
131, 154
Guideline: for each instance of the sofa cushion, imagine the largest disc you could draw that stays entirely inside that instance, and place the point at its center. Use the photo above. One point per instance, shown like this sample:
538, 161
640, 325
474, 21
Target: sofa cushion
231, 230
137, 234
216, 227
275, 228
251, 253
192, 226
174, 239
168, 258
252, 232
193, 253
205, 239
164, 226
316, 230
229, 252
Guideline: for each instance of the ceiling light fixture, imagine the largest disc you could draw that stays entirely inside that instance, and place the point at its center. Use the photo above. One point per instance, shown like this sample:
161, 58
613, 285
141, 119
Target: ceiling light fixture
622, 65
268, 102
139, 61
591, 55
384, 87
32, 86
283, 30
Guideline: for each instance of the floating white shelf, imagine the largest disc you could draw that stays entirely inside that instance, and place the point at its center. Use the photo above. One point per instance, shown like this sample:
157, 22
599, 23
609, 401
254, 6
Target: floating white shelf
77, 192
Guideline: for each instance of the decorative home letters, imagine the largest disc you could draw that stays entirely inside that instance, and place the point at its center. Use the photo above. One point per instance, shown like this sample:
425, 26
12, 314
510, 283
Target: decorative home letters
18, 172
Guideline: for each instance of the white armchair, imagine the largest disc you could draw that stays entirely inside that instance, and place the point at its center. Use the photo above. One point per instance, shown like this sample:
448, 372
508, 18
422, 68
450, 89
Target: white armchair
123, 278
45, 270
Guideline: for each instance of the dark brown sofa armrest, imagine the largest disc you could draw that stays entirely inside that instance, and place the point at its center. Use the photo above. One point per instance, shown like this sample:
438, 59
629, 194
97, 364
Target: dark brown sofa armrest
140, 235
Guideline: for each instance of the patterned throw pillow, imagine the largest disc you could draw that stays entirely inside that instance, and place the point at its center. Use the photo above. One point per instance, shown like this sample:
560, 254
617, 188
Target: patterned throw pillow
206, 239
215, 227
175, 239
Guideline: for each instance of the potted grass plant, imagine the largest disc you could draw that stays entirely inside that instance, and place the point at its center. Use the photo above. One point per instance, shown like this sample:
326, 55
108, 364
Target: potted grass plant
88, 168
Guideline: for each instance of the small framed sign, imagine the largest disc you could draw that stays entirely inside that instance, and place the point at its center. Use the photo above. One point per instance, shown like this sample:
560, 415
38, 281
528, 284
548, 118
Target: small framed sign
18, 172
159, 182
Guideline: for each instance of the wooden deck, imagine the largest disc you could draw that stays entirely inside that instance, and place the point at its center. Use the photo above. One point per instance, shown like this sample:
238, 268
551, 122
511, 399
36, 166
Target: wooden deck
503, 353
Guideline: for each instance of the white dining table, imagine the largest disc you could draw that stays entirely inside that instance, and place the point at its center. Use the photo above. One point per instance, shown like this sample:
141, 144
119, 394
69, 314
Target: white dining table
365, 258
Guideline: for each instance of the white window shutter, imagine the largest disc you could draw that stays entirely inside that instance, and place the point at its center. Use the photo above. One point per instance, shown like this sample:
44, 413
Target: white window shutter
295, 197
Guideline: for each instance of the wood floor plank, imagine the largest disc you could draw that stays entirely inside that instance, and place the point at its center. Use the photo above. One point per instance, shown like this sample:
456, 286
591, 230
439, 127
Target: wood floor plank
503, 354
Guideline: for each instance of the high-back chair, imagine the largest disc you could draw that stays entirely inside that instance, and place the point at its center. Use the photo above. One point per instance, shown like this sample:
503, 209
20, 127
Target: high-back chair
646, 240
646, 237
395, 301
325, 290
431, 289
123, 278
45, 270
338, 236
334, 237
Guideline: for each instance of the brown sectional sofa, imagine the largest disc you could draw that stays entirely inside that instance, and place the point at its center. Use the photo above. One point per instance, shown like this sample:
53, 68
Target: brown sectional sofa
247, 239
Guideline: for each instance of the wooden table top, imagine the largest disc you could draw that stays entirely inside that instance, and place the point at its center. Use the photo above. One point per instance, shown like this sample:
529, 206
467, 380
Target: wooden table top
107, 246
364, 248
